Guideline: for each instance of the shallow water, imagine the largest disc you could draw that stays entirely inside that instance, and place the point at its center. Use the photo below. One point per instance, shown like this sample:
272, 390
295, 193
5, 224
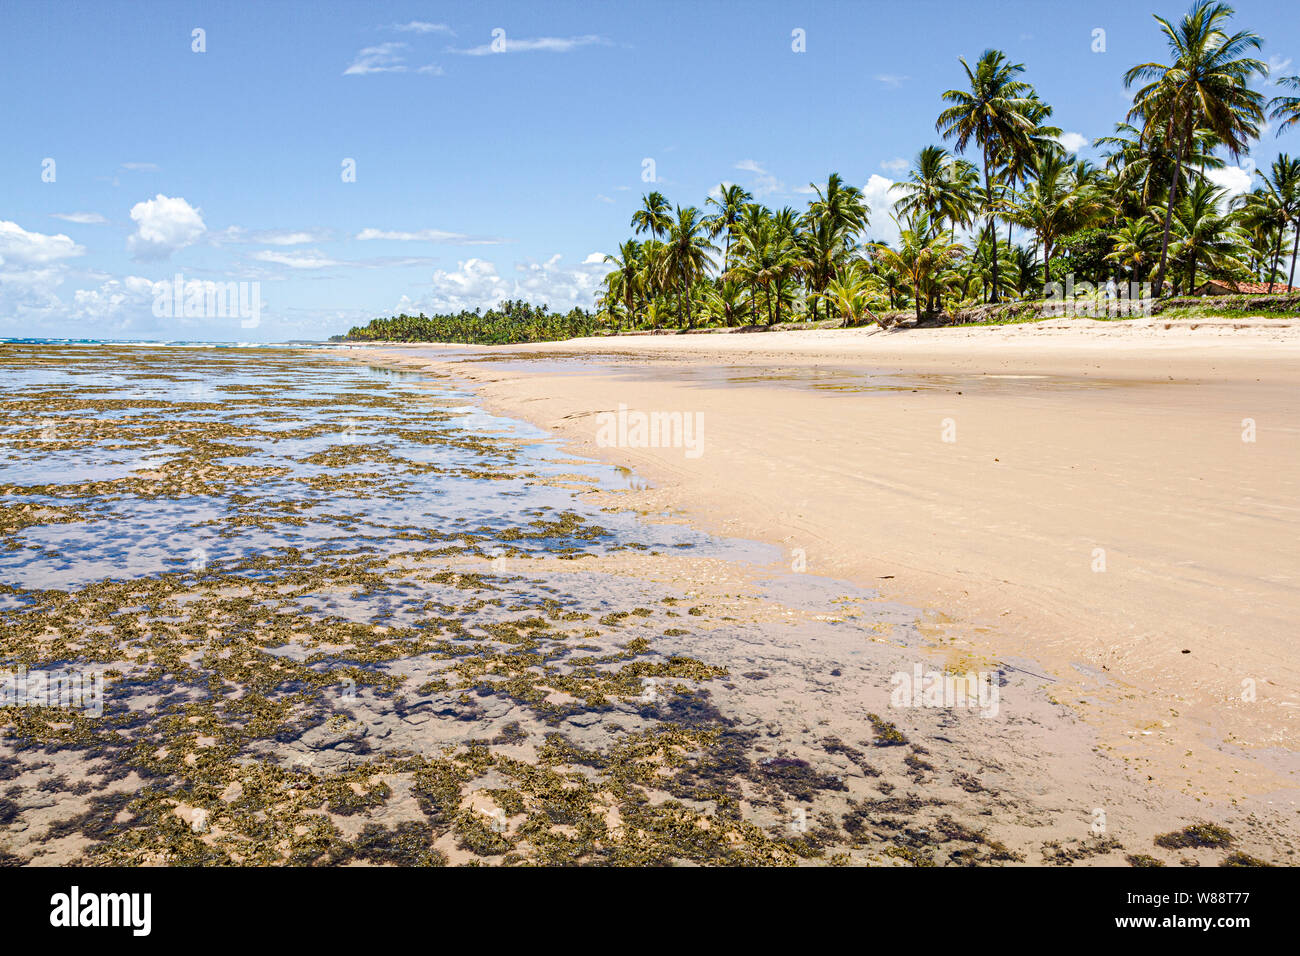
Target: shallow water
766, 371
342, 614
309, 421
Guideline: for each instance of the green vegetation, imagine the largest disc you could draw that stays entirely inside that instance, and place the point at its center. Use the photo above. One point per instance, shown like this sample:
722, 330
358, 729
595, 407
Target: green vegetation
509, 323
1150, 214
1195, 835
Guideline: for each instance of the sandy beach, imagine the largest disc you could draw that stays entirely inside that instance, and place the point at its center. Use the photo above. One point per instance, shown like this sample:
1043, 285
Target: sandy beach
1111, 504
1014, 596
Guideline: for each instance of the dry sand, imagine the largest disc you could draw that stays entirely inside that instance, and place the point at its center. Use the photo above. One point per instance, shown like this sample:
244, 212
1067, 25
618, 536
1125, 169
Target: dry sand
1099, 513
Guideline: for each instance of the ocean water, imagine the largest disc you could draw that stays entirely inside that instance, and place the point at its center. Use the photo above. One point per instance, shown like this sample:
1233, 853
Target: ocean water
315, 432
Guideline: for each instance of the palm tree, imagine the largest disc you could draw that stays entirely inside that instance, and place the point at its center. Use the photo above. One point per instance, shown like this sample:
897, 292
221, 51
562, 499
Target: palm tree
624, 280
990, 262
940, 186
1282, 184
925, 260
725, 301
1205, 236
830, 229
650, 276
1055, 203
767, 258
1204, 86
729, 202
1286, 108
686, 256
1148, 162
851, 295
995, 113
821, 247
787, 220
1024, 275
1254, 222
1262, 216
654, 216
1135, 246
839, 206
1017, 156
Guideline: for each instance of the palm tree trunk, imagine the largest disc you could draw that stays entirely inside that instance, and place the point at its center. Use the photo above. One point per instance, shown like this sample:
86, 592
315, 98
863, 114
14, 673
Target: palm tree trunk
1295, 247
1277, 254
1169, 212
988, 191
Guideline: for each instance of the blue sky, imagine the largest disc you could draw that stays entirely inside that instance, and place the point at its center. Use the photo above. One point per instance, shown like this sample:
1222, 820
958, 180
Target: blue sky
478, 174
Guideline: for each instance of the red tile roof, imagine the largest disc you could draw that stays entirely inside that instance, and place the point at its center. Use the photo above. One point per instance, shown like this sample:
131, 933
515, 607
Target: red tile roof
1251, 288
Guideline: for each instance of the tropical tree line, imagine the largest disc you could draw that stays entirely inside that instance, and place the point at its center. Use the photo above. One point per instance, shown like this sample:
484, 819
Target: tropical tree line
512, 321
1150, 212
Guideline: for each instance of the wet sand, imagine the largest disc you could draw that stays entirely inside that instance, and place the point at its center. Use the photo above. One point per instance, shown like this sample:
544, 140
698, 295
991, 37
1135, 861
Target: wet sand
1101, 512
344, 615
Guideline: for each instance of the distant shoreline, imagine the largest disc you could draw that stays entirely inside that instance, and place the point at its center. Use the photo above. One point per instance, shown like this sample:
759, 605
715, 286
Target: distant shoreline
1152, 329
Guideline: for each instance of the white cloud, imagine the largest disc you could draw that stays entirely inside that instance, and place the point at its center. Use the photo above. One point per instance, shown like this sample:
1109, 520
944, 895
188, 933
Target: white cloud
895, 165
1278, 66
601, 197
385, 58
420, 26
533, 44
41, 281
18, 247
29, 296
123, 307
83, 218
882, 227
315, 259
271, 237
765, 184
1073, 142
141, 167
428, 235
304, 259
891, 80
32, 268
163, 225
1232, 178
115, 300
476, 283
